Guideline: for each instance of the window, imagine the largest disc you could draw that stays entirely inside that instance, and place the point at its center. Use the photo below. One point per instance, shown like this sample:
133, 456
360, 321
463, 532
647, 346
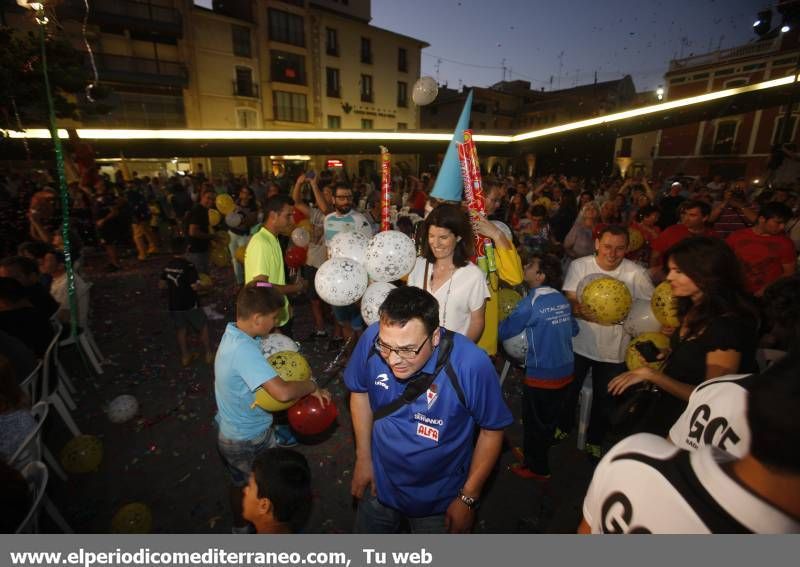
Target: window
725, 137
246, 118
366, 50
334, 122
332, 81
331, 42
289, 107
626, 147
778, 135
288, 67
366, 88
286, 28
244, 82
402, 59
366, 124
402, 94
241, 41
402, 126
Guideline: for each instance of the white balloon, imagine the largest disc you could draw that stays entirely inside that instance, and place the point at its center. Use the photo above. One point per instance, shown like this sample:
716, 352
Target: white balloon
587, 279
301, 237
641, 319
351, 245
122, 408
425, 91
373, 298
517, 347
391, 255
505, 228
234, 219
341, 281
276, 342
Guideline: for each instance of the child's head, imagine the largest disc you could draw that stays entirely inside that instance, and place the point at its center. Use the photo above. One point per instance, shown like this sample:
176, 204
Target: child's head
541, 269
279, 489
258, 305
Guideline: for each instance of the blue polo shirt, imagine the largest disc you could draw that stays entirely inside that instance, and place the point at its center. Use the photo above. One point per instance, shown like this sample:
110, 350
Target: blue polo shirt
422, 452
239, 369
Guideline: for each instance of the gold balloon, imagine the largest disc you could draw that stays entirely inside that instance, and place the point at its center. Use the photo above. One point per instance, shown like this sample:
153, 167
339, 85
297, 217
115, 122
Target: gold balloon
133, 518
214, 217
220, 256
634, 360
221, 238
507, 300
82, 454
306, 224
664, 306
240, 254
607, 300
225, 204
292, 367
635, 239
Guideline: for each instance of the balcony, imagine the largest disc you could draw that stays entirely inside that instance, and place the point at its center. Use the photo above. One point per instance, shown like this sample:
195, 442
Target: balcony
247, 89
142, 19
755, 49
122, 69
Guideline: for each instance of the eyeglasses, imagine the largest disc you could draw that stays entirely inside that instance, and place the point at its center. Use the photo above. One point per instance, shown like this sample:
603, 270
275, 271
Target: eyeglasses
404, 353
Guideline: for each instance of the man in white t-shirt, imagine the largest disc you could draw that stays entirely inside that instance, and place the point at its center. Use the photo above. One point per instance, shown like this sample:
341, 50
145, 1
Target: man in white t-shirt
601, 348
646, 485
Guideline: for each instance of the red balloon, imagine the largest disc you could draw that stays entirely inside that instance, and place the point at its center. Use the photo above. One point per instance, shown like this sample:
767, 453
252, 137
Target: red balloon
296, 256
308, 417
298, 215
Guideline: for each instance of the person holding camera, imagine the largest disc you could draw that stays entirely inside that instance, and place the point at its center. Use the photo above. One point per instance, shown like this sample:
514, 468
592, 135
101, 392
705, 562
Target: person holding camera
717, 333
732, 213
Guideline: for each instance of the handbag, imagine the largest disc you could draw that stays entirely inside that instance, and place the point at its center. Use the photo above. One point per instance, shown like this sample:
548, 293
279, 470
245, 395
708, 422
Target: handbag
633, 412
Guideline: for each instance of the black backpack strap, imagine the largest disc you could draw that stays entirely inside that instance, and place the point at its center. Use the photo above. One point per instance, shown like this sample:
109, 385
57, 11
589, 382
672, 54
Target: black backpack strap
417, 386
451, 373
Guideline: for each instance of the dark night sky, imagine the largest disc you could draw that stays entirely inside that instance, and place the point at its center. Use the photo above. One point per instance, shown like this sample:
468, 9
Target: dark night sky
612, 37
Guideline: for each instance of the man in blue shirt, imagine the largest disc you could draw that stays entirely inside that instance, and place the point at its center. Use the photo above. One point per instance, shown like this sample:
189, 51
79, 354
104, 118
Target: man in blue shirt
416, 460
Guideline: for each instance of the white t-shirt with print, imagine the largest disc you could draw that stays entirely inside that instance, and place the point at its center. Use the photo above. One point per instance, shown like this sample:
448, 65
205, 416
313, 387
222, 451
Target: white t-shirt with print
458, 297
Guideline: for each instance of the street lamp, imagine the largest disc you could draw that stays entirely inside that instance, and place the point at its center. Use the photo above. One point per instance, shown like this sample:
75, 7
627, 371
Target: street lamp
660, 93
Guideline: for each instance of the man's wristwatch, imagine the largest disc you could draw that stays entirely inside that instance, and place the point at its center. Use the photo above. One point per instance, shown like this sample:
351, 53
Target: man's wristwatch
468, 501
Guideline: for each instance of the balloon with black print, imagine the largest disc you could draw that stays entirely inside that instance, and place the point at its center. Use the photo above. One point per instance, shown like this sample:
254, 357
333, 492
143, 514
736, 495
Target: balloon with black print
390, 256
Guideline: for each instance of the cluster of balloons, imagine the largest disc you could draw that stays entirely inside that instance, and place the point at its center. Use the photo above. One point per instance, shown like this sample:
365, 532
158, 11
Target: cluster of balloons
356, 261
297, 253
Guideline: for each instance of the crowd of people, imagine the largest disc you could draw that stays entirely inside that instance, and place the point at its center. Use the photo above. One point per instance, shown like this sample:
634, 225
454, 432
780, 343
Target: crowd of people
424, 388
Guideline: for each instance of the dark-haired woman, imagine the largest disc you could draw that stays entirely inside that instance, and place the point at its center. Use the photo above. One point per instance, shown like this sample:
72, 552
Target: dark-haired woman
444, 269
717, 334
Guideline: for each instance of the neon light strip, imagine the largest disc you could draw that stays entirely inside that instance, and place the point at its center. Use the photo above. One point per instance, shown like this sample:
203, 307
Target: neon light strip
309, 135
679, 103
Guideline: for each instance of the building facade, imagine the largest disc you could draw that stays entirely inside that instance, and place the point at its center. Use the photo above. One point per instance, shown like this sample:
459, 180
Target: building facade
736, 146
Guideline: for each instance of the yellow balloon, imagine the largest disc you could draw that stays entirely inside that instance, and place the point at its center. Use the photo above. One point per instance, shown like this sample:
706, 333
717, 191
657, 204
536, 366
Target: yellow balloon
306, 224
205, 280
214, 217
225, 204
634, 360
221, 238
133, 518
607, 300
82, 454
292, 367
240, 254
507, 300
664, 306
635, 239
220, 256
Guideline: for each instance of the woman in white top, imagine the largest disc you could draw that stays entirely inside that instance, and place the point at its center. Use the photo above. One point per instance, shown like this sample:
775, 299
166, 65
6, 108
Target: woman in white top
446, 271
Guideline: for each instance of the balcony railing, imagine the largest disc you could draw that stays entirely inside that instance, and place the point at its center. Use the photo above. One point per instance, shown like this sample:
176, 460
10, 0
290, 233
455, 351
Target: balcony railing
142, 17
749, 50
122, 69
245, 89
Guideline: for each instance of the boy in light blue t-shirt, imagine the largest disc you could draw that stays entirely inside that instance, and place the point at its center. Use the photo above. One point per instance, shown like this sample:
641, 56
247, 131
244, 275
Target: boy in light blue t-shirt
239, 370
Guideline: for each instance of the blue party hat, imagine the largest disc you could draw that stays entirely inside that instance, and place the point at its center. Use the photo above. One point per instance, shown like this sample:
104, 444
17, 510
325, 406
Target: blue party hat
449, 184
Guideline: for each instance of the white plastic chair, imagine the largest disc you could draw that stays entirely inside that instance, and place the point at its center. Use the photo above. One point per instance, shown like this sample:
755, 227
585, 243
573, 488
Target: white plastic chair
585, 410
30, 384
35, 474
32, 448
58, 396
85, 339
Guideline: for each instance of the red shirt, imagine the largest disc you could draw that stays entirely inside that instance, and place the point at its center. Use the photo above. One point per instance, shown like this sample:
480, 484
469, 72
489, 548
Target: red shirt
674, 234
762, 256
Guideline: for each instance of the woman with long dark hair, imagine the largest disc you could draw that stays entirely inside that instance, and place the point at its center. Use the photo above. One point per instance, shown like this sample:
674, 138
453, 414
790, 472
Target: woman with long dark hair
717, 333
445, 270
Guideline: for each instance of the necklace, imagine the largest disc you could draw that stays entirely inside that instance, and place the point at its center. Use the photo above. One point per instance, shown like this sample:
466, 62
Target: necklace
447, 296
